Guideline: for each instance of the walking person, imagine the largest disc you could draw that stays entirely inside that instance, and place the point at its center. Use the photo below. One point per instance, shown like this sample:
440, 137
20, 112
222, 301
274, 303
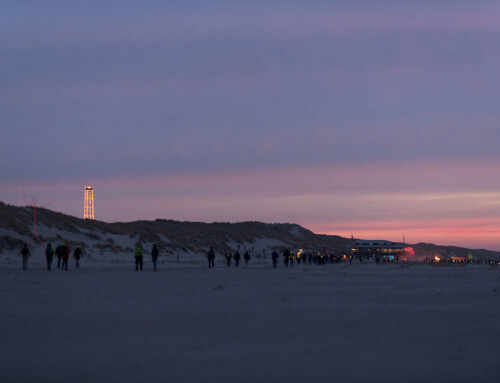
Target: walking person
246, 257
211, 257
154, 256
286, 257
274, 257
77, 254
26, 254
139, 250
59, 255
49, 254
65, 252
237, 258
228, 258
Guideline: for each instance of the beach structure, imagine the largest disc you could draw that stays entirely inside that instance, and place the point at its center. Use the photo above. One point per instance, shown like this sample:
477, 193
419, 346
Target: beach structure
378, 248
88, 203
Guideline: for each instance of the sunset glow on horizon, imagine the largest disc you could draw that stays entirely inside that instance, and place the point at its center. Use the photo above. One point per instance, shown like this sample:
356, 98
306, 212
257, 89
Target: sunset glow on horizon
322, 200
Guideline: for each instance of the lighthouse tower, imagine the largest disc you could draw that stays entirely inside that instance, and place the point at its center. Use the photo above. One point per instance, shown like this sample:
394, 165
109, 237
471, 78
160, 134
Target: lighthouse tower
88, 203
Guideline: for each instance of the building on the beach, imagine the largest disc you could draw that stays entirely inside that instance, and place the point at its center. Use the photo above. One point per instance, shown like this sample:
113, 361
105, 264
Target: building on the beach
88, 203
380, 249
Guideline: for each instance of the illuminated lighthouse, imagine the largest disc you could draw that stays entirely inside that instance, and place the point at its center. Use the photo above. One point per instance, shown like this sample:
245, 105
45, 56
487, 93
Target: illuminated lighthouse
88, 203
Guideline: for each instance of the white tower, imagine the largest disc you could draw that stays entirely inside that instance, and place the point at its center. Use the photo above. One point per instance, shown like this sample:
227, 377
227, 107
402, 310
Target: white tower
88, 203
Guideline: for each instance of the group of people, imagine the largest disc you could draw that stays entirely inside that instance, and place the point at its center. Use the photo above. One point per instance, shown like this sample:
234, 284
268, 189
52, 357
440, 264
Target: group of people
236, 257
289, 258
62, 252
139, 252
311, 258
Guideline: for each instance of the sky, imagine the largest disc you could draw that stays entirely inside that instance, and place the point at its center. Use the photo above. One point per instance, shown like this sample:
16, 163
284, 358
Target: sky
373, 119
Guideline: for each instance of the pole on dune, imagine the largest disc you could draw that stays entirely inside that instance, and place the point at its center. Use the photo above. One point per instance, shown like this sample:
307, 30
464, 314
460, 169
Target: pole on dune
34, 205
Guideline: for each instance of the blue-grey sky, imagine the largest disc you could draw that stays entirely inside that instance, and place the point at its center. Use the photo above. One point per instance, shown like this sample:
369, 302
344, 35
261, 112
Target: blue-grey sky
327, 106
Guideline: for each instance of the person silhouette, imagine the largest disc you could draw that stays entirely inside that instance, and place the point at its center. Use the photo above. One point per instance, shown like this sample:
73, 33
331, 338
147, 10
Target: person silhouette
211, 257
237, 258
49, 255
154, 256
228, 258
246, 257
77, 254
274, 257
26, 254
139, 250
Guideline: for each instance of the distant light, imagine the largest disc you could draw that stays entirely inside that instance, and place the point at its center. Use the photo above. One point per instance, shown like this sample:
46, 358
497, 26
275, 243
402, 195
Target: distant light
88, 203
409, 251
